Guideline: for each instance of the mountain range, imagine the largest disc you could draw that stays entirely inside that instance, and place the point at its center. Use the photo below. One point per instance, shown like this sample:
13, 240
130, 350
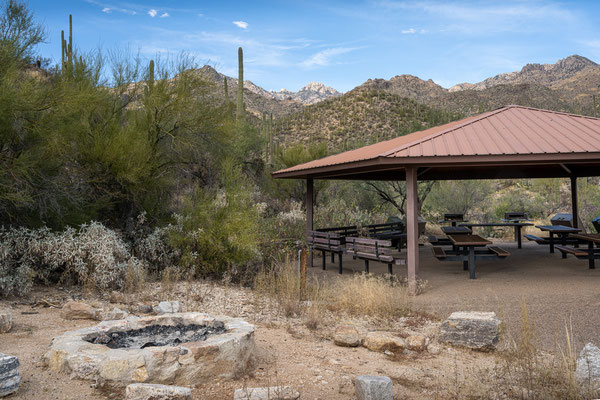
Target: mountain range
381, 108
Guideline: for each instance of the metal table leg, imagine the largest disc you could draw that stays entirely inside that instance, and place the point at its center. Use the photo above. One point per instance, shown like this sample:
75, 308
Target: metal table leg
471, 262
551, 239
591, 255
518, 235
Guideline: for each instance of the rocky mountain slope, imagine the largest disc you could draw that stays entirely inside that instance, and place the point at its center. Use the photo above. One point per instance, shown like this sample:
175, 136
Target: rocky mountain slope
543, 74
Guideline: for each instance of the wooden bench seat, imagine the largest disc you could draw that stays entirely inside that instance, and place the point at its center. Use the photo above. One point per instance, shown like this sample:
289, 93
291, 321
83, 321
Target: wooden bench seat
537, 239
571, 250
438, 252
374, 250
500, 252
327, 242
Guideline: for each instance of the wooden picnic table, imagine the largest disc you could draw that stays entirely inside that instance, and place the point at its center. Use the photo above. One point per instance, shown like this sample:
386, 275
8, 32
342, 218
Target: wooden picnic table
562, 231
469, 242
591, 239
517, 225
456, 230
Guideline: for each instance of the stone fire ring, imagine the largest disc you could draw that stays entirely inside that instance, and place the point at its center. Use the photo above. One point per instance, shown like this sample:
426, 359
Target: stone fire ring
221, 356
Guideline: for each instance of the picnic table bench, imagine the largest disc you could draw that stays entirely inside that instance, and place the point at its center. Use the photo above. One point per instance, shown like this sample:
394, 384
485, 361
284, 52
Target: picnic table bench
563, 238
468, 248
327, 242
374, 250
591, 253
517, 225
343, 232
393, 231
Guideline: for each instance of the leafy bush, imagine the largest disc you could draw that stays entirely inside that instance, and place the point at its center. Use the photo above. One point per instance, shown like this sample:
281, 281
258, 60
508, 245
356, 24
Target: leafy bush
219, 231
92, 255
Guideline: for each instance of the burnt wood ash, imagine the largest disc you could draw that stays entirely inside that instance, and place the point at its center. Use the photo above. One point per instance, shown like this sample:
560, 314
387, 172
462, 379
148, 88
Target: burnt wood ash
156, 335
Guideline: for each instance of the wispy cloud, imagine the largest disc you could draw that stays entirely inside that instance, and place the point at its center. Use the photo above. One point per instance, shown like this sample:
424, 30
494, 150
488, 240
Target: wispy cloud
409, 31
152, 12
241, 24
325, 57
109, 8
164, 15
106, 10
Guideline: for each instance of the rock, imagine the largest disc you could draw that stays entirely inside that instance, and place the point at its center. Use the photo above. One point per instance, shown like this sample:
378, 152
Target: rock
166, 307
433, 348
115, 314
145, 308
149, 391
347, 336
588, 364
367, 387
416, 343
6, 320
266, 393
9, 374
474, 330
382, 341
79, 310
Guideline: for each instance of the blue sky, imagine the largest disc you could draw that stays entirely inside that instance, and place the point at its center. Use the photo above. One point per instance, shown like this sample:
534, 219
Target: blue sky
340, 43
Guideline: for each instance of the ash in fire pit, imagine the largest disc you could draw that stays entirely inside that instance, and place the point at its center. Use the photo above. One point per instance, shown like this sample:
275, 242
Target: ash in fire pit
156, 335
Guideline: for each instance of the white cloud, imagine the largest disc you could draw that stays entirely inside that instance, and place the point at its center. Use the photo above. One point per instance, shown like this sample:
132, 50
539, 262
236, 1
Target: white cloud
106, 10
164, 15
241, 24
409, 31
152, 12
325, 57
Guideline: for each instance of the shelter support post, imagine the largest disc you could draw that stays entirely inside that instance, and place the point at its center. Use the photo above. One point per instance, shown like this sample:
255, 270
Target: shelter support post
309, 210
574, 201
412, 228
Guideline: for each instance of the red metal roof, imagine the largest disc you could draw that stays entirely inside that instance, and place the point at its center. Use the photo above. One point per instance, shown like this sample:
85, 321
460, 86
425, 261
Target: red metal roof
509, 133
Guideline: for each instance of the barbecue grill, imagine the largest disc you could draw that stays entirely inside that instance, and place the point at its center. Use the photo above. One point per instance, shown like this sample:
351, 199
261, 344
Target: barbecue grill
563, 219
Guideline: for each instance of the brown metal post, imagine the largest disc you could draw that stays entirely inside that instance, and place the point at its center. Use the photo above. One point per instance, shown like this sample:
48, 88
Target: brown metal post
412, 229
574, 201
309, 211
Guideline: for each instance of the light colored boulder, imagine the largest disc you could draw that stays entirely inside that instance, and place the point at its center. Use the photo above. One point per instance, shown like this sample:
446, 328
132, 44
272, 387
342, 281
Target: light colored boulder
474, 330
347, 336
79, 310
9, 374
369, 387
588, 364
433, 348
114, 314
150, 391
416, 343
266, 393
6, 320
166, 307
382, 341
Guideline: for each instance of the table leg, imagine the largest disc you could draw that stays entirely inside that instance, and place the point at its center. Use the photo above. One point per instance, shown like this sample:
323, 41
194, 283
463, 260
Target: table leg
518, 235
324, 261
591, 255
465, 253
367, 266
551, 239
471, 262
332, 257
340, 263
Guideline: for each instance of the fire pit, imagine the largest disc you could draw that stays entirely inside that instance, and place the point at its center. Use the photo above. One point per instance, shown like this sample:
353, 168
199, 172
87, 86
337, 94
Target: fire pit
182, 348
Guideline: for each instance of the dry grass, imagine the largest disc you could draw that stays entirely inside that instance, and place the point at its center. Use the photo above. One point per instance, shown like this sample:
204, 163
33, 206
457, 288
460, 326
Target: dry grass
523, 371
359, 295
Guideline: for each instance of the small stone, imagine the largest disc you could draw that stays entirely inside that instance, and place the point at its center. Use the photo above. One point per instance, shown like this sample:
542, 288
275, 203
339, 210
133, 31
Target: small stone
115, 314
388, 353
474, 330
416, 343
79, 310
9, 374
6, 320
266, 393
588, 364
167, 307
433, 348
145, 309
382, 341
347, 336
149, 391
369, 387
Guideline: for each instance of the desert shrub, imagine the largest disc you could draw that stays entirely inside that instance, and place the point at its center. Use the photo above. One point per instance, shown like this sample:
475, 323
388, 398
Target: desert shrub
91, 255
219, 231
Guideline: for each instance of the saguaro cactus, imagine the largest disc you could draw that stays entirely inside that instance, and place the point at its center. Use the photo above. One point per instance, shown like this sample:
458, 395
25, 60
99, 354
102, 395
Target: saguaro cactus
226, 90
67, 49
240, 112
